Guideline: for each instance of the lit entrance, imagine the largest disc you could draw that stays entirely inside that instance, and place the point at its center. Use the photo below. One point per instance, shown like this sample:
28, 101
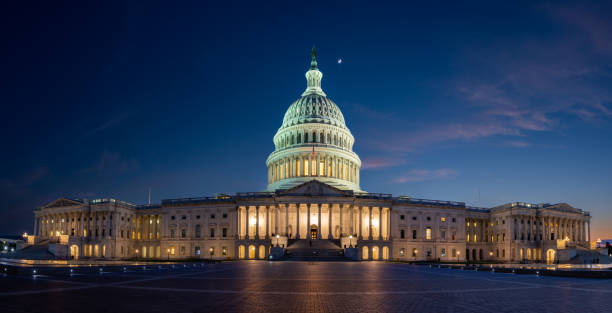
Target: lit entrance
314, 231
550, 256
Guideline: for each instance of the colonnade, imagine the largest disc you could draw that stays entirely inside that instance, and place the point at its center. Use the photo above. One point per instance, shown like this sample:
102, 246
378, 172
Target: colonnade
76, 224
316, 221
305, 164
551, 228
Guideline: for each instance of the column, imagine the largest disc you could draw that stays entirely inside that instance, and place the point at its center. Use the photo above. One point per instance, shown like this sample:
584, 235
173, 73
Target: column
360, 233
329, 221
276, 220
370, 222
589, 226
352, 225
257, 222
238, 228
319, 226
308, 220
297, 228
287, 221
341, 206
267, 222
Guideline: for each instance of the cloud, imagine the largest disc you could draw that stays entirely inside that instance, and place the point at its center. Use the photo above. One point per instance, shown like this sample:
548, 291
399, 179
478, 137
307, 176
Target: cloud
111, 163
417, 175
517, 144
111, 122
376, 163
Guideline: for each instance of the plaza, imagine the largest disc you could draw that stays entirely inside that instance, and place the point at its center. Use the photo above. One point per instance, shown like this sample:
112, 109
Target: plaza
263, 286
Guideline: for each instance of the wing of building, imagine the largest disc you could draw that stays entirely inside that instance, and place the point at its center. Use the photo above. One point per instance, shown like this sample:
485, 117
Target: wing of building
312, 205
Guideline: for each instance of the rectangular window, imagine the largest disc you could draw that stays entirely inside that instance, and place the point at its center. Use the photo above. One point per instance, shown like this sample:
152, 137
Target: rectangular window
402, 234
172, 234
443, 235
414, 233
224, 250
428, 233
443, 252
182, 250
183, 233
454, 236
414, 252
454, 253
224, 232
402, 217
402, 251
212, 232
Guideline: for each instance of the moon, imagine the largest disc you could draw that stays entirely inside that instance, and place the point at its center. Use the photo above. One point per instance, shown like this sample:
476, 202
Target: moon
339, 61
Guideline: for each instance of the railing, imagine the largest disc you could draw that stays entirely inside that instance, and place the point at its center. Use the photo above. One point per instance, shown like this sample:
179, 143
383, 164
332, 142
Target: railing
111, 200
196, 200
367, 195
254, 194
428, 201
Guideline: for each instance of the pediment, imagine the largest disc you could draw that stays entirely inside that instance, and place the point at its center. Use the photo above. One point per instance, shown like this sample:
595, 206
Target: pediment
315, 188
62, 202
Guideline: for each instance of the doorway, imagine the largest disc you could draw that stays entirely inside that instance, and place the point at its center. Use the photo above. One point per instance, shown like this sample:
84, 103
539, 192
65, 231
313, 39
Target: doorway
314, 231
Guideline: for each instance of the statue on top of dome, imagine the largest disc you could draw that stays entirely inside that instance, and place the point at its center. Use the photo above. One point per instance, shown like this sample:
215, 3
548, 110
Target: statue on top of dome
313, 54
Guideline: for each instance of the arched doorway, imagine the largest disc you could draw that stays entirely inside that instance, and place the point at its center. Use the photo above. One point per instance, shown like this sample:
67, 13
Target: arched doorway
550, 256
74, 252
375, 253
262, 252
365, 253
251, 252
241, 252
385, 253
314, 231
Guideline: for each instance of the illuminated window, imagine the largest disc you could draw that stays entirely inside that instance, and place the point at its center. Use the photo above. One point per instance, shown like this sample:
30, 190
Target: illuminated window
321, 167
414, 252
442, 219
443, 252
468, 238
138, 235
402, 252
428, 233
172, 250
306, 168
474, 237
454, 253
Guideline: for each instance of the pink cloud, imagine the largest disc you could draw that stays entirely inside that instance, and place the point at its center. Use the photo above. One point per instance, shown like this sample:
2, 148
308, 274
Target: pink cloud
417, 175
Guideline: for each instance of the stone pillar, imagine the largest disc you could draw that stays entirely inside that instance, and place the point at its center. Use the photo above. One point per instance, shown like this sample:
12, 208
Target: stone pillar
276, 220
329, 221
589, 226
360, 233
370, 223
319, 225
341, 206
238, 228
308, 219
267, 222
352, 225
297, 228
257, 222
287, 220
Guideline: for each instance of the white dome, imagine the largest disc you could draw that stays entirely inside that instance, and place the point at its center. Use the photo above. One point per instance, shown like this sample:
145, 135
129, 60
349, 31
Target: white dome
313, 142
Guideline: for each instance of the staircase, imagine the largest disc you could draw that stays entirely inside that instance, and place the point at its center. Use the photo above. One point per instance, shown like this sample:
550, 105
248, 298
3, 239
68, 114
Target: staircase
314, 250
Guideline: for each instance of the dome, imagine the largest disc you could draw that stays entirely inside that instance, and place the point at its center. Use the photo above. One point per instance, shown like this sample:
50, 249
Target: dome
313, 108
313, 142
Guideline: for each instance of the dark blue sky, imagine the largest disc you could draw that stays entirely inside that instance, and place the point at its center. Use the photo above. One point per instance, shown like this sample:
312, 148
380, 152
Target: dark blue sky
110, 99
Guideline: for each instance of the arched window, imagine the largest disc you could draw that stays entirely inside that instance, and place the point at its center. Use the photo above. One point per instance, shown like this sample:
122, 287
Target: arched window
314, 137
328, 138
336, 140
322, 138
292, 137
299, 139
305, 137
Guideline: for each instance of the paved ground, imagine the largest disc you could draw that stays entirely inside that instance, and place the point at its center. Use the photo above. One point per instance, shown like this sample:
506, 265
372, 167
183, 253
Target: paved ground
260, 286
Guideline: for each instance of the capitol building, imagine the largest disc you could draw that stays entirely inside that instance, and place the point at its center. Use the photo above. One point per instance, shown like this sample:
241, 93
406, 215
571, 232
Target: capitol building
312, 207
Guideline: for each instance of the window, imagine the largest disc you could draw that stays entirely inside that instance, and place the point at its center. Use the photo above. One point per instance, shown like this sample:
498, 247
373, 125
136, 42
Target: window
224, 250
442, 219
414, 233
401, 217
224, 232
443, 252
443, 235
414, 252
212, 232
454, 236
414, 218
402, 234
171, 217
183, 233
429, 218
182, 250
454, 219
428, 233
197, 250
504, 222
402, 251
428, 252
183, 217
197, 217
212, 216
172, 234
224, 215
454, 252
197, 231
